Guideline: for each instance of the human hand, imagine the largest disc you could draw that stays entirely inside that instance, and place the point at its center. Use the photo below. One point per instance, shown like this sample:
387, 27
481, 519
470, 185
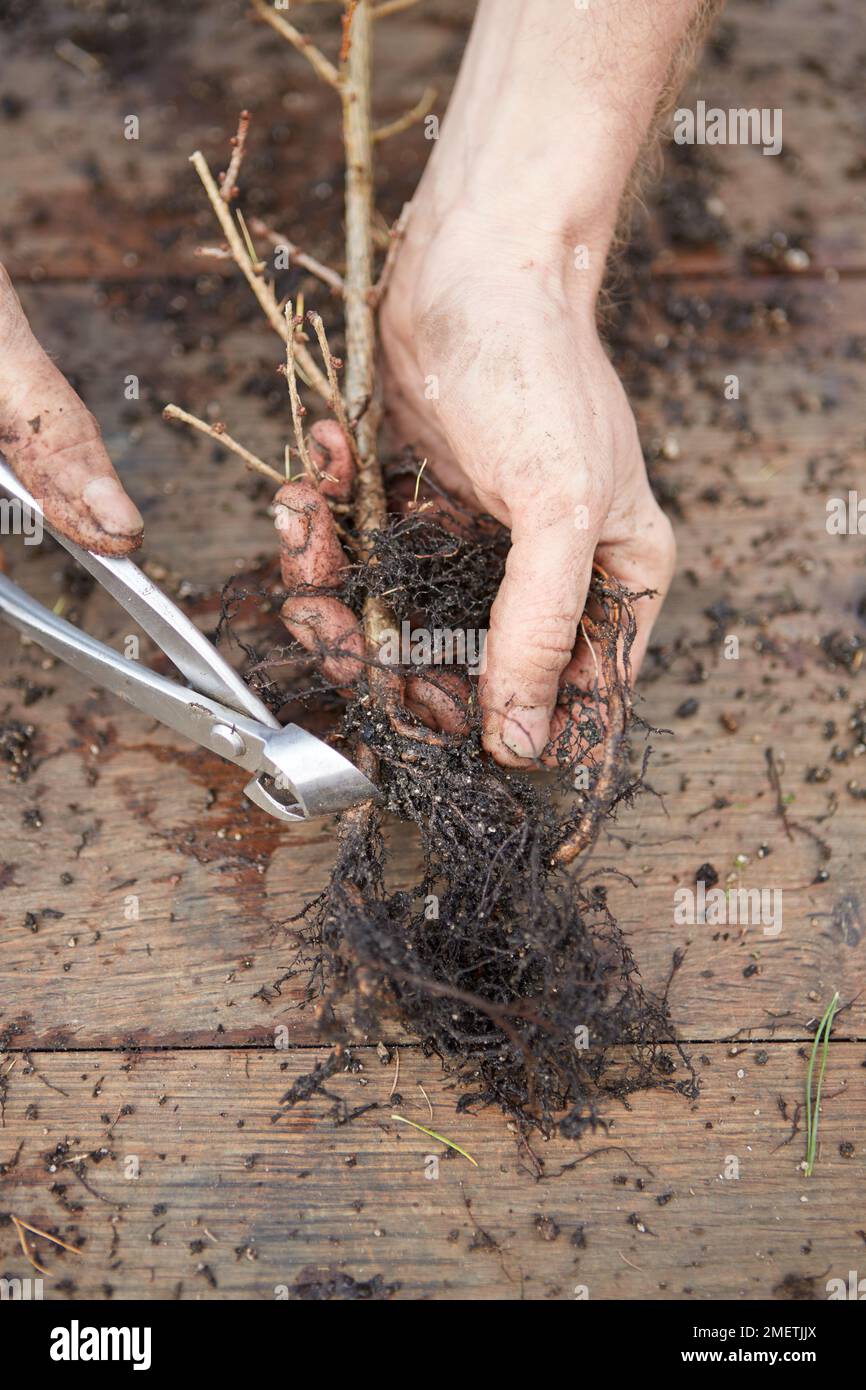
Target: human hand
494, 371
493, 365
53, 443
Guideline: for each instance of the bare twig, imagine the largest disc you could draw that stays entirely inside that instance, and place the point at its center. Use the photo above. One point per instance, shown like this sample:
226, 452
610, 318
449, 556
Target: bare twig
298, 411
259, 266
228, 180
260, 288
22, 1226
337, 403
387, 7
218, 253
363, 408
381, 231
409, 118
321, 65
362, 397
296, 256
218, 432
398, 231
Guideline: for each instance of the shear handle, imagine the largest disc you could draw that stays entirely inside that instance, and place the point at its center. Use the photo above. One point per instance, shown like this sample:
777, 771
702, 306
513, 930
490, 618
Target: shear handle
233, 736
154, 611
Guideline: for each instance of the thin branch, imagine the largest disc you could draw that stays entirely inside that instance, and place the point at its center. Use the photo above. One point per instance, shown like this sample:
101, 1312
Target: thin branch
381, 231
387, 7
398, 231
321, 65
219, 433
218, 253
258, 265
260, 288
364, 409
409, 118
298, 411
362, 396
22, 1226
228, 180
23, 1242
338, 405
296, 256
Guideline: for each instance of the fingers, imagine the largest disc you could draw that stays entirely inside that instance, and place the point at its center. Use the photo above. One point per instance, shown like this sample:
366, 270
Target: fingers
53, 443
645, 559
533, 625
641, 556
332, 456
310, 551
311, 557
329, 629
440, 699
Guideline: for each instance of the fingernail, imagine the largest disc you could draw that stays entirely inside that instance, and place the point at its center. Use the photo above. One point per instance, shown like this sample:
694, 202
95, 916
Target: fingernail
525, 730
111, 507
293, 526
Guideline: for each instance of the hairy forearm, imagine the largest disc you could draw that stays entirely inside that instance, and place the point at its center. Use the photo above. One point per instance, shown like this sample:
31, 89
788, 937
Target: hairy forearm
551, 110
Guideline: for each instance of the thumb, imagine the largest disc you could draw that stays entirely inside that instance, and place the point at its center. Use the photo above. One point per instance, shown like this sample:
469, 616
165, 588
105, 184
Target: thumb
533, 625
53, 443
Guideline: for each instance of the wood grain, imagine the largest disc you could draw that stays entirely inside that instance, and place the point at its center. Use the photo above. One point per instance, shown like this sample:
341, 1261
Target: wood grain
144, 904
130, 810
230, 1205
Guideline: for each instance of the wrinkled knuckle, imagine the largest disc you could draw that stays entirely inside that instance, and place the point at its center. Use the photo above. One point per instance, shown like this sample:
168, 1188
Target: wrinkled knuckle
80, 430
548, 645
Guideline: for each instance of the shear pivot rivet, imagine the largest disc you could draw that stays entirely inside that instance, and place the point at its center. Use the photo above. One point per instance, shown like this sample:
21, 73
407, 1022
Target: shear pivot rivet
225, 739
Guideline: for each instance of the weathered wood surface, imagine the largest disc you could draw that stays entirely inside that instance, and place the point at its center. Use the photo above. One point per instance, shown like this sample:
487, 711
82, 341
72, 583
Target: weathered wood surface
207, 939
229, 1205
133, 814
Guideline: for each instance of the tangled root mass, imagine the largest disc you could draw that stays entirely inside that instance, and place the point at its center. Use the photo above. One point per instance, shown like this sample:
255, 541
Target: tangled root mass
508, 967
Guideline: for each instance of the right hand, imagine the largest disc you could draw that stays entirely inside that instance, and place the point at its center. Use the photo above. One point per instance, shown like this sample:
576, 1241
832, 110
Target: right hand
53, 443
529, 423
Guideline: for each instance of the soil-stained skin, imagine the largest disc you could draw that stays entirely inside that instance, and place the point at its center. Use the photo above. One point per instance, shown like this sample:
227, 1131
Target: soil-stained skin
53, 443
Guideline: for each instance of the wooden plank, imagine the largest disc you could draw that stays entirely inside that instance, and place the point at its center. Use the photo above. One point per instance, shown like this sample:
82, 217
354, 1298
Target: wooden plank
750, 480
83, 200
229, 1205
172, 927
805, 67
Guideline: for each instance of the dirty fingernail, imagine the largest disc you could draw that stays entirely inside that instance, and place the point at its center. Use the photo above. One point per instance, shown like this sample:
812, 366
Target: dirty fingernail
111, 507
525, 730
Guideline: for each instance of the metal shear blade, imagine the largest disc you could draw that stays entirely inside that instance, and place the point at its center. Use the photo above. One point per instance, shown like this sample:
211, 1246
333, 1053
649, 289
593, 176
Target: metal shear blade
297, 776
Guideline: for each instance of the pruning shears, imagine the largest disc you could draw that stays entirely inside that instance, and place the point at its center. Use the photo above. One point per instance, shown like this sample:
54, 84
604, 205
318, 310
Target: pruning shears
295, 775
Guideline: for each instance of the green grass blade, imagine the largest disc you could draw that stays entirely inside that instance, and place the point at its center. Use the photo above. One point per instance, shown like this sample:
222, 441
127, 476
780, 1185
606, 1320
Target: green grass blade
822, 1040
441, 1138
